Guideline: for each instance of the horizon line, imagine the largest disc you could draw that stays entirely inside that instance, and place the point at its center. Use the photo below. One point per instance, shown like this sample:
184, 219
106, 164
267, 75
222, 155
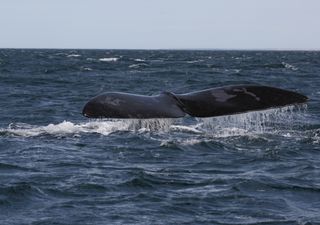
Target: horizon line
170, 49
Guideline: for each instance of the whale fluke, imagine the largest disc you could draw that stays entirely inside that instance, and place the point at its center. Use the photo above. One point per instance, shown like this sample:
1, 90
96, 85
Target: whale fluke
212, 102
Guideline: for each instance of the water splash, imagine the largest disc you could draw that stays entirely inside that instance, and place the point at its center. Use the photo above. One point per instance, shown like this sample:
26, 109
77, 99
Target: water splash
225, 126
257, 122
289, 66
162, 125
316, 137
104, 127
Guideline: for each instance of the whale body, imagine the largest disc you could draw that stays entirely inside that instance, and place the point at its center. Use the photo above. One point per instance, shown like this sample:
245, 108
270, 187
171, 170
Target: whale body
212, 102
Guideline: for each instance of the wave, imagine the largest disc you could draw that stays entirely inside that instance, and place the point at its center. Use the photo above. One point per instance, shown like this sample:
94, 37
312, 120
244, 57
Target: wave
195, 61
289, 66
111, 59
135, 66
139, 60
279, 65
86, 69
73, 55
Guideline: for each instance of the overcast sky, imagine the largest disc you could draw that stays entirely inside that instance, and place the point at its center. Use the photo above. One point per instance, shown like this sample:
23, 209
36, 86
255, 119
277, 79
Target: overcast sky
160, 24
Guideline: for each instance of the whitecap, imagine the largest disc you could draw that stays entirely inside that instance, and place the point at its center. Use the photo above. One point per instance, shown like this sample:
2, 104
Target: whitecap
134, 66
139, 60
195, 61
86, 69
74, 55
111, 59
60, 53
289, 66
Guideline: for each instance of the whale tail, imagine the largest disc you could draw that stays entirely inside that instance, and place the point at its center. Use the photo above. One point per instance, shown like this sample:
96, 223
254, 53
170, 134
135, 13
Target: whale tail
237, 99
206, 103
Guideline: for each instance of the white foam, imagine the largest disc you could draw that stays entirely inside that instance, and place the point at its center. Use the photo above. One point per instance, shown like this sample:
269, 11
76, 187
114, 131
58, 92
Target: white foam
289, 66
187, 129
27, 130
316, 136
195, 61
139, 60
86, 69
73, 55
104, 127
134, 66
204, 190
191, 141
111, 59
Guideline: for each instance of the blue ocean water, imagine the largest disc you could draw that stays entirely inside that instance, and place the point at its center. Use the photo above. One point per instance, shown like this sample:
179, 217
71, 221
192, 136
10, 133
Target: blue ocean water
58, 167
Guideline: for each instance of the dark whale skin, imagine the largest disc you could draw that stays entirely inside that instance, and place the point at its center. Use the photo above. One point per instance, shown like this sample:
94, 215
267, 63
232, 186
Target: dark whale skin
212, 102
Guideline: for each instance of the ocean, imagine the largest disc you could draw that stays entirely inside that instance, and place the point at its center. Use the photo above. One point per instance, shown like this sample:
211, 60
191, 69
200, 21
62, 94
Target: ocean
58, 167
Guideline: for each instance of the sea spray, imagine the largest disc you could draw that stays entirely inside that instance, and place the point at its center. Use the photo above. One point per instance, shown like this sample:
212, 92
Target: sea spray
252, 122
161, 125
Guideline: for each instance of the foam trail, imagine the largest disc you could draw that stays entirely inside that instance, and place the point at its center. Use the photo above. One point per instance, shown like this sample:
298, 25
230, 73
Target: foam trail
104, 127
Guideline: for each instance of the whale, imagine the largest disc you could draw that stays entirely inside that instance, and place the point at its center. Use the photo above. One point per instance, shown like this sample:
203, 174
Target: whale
219, 101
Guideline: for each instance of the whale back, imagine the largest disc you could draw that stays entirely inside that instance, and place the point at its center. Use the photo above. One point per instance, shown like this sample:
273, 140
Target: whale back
123, 105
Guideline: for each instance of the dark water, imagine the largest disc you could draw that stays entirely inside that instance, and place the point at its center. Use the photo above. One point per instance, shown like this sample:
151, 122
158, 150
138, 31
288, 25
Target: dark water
57, 167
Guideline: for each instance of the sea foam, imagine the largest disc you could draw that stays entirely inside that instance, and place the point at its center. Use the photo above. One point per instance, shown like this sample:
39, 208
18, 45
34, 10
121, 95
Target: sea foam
103, 127
267, 121
112, 59
73, 55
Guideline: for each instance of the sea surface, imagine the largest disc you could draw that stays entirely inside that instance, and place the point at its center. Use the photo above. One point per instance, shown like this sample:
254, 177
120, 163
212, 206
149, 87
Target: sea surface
58, 167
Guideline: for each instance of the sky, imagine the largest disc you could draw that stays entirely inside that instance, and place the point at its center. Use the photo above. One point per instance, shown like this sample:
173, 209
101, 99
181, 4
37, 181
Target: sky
161, 24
